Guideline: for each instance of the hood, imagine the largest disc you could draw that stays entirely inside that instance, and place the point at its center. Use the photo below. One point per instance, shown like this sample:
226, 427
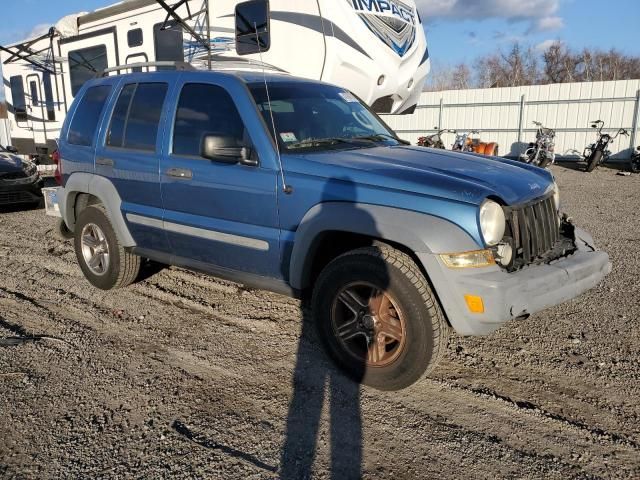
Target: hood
11, 163
458, 176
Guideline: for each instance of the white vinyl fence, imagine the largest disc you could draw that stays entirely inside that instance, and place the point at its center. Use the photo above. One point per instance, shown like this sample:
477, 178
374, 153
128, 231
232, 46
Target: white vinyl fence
506, 115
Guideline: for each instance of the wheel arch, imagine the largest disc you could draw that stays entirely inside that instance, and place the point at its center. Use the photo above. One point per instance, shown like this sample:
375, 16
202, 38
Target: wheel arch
332, 228
82, 189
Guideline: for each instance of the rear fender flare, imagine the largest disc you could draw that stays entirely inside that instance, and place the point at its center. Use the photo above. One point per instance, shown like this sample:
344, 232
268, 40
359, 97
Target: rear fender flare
106, 192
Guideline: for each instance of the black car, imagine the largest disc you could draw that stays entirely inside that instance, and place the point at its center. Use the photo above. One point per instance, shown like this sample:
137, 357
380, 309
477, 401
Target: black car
20, 182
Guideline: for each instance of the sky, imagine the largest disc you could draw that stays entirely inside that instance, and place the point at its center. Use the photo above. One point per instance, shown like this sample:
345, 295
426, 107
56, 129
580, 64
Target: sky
457, 30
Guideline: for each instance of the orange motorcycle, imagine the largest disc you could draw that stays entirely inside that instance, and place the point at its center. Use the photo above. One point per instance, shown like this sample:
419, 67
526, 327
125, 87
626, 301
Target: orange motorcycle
464, 142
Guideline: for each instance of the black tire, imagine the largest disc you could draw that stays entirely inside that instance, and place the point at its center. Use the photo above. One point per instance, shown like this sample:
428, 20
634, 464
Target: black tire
62, 231
594, 160
425, 328
123, 267
635, 164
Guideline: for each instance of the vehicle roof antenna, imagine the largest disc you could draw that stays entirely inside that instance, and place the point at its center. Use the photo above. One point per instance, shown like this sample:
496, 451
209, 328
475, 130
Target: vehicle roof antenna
285, 188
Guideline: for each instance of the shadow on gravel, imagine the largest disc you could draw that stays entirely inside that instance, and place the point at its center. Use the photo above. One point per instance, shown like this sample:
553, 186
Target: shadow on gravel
183, 430
580, 166
315, 377
21, 335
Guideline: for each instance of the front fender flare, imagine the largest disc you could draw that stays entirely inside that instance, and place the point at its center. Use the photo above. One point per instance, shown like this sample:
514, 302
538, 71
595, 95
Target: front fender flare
417, 231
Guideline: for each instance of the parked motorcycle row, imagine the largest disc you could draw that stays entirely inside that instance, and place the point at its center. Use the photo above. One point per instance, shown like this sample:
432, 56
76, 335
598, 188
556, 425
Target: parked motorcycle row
540, 152
466, 141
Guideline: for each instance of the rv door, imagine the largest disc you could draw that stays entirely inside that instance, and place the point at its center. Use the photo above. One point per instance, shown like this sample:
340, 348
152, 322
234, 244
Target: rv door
35, 107
87, 55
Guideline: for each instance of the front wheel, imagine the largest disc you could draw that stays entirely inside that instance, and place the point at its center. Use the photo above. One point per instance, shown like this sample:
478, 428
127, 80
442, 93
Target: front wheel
594, 159
378, 317
102, 259
635, 164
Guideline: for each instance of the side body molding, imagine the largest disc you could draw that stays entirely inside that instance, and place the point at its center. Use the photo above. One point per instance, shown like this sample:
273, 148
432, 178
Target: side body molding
103, 189
417, 231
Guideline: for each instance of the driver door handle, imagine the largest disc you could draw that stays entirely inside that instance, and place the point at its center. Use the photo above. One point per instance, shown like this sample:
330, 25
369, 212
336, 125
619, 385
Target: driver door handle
180, 173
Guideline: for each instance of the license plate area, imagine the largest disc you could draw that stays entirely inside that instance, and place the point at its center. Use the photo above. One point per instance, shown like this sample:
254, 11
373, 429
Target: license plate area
51, 201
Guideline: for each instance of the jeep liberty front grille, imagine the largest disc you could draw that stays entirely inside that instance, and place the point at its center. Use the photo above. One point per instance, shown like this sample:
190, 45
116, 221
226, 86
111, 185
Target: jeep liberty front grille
534, 229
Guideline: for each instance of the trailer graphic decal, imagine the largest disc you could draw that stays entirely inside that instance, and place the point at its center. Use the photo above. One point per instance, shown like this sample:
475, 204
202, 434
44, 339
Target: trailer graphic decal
392, 21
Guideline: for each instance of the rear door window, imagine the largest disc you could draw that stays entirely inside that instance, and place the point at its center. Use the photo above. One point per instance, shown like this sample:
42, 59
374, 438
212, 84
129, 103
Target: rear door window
136, 116
205, 109
82, 129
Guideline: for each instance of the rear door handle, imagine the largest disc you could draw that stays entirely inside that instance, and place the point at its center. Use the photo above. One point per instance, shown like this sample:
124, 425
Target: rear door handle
180, 173
107, 162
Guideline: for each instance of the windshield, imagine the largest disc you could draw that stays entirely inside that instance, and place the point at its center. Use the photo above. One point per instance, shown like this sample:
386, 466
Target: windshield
315, 117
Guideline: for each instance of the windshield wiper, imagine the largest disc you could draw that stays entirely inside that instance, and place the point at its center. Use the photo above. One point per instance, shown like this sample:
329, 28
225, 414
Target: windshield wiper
326, 141
380, 137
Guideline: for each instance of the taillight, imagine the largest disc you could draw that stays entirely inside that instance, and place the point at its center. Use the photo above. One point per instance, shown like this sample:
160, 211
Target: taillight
55, 156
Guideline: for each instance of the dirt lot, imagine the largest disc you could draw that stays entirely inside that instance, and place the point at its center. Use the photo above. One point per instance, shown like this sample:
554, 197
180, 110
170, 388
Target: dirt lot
185, 376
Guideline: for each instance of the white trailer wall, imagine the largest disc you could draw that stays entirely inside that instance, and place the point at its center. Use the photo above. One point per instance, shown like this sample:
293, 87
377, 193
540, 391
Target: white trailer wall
5, 134
505, 115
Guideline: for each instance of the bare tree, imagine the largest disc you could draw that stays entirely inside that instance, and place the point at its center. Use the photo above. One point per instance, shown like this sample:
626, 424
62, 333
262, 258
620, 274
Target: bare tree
461, 78
521, 65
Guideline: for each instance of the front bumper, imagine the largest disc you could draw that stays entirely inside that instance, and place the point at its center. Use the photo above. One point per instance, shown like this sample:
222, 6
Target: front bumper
21, 191
508, 296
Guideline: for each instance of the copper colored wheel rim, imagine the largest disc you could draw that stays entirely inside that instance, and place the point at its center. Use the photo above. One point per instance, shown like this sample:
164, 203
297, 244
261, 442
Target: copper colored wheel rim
368, 324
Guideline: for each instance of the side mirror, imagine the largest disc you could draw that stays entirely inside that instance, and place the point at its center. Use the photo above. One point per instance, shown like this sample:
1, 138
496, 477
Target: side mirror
224, 149
11, 149
252, 27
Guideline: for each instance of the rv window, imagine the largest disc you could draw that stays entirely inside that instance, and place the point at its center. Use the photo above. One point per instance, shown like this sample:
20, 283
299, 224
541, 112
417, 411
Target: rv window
134, 37
252, 16
17, 97
168, 43
141, 126
204, 109
33, 86
84, 64
85, 120
48, 96
116, 129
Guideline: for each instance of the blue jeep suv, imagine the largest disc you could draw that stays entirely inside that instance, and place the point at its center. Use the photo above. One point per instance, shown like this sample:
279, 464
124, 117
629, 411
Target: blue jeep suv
295, 186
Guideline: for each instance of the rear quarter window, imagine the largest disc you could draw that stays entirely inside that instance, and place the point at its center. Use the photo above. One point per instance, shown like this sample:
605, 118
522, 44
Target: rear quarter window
84, 123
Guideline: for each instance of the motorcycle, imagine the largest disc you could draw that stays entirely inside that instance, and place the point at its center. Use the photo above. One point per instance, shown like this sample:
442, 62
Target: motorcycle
541, 152
635, 161
433, 141
598, 153
464, 142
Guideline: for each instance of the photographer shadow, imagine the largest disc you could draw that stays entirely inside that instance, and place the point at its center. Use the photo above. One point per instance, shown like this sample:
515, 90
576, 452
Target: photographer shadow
317, 380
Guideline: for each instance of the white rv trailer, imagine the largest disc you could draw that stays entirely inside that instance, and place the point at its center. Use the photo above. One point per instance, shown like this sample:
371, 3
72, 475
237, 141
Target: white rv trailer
375, 48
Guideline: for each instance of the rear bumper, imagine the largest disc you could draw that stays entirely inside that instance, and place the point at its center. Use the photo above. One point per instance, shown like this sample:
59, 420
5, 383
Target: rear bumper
13, 193
507, 296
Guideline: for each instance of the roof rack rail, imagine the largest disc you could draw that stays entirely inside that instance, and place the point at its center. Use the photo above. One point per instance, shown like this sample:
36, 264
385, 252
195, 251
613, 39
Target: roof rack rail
167, 63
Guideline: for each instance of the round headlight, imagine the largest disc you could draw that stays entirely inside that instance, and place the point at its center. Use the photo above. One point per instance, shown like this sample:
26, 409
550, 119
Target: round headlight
492, 222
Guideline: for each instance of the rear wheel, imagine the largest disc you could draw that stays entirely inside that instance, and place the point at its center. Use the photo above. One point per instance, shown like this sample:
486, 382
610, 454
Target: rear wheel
378, 318
593, 160
635, 164
102, 259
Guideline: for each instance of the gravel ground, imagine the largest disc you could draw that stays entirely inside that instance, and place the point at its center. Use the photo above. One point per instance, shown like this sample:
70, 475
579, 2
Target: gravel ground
185, 376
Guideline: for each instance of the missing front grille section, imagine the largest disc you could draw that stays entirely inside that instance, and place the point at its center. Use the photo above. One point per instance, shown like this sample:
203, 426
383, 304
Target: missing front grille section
537, 234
